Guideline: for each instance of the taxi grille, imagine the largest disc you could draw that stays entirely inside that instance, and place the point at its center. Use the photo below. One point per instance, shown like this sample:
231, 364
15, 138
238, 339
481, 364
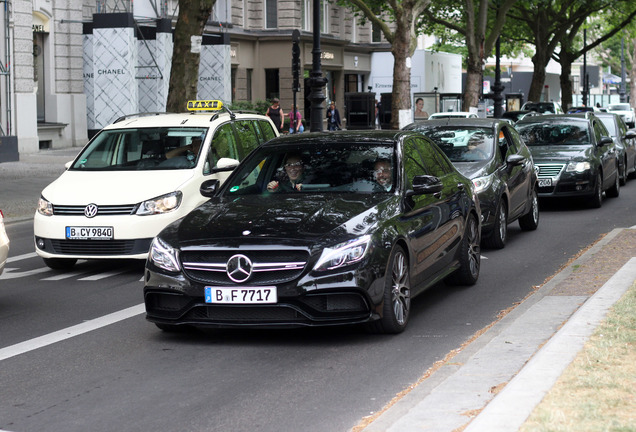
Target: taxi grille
107, 210
549, 170
268, 266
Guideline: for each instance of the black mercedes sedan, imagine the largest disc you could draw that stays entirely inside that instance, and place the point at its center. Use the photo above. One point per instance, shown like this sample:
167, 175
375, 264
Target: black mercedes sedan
317, 230
491, 153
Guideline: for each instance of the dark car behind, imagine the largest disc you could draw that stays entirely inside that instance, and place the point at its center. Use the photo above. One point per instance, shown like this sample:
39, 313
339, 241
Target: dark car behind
500, 166
625, 143
574, 154
333, 247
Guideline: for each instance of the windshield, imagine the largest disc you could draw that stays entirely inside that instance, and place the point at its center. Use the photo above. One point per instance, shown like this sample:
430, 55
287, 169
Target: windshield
541, 134
462, 144
317, 169
142, 149
619, 107
542, 107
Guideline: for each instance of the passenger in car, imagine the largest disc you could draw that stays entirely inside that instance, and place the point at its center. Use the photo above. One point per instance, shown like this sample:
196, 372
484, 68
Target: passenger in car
383, 173
294, 170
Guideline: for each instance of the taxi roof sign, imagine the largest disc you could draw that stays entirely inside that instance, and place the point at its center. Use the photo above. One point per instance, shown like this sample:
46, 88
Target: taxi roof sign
205, 105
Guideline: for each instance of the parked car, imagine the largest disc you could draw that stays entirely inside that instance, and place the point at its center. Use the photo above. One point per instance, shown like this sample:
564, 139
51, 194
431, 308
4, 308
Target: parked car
574, 154
515, 116
138, 175
582, 109
625, 143
543, 107
318, 230
624, 110
452, 114
4, 243
491, 153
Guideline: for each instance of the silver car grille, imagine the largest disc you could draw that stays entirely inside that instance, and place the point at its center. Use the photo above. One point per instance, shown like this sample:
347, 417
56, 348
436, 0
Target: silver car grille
106, 210
549, 170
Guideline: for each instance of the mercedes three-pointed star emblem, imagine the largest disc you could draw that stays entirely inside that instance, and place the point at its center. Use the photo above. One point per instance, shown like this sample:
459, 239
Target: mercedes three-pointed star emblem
239, 268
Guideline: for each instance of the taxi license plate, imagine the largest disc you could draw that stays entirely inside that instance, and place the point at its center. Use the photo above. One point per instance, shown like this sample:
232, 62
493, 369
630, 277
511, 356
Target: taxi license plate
545, 182
89, 233
244, 295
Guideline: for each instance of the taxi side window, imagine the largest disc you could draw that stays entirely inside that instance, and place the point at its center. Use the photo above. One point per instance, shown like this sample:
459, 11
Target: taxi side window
267, 130
247, 138
223, 145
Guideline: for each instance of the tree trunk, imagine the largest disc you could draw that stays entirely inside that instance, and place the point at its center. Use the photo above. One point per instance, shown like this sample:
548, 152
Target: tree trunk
566, 83
474, 84
401, 93
193, 14
632, 76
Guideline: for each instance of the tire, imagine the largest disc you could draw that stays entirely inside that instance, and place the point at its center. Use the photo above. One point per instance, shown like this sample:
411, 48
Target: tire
596, 200
615, 190
60, 263
469, 260
530, 220
497, 238
397, 295
623, 173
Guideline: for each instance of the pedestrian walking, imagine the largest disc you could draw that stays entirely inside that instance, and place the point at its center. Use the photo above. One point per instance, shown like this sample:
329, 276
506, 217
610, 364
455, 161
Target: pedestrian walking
333, 117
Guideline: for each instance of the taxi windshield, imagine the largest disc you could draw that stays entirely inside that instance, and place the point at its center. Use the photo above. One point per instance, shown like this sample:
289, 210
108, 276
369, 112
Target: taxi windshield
137, 149
324, 168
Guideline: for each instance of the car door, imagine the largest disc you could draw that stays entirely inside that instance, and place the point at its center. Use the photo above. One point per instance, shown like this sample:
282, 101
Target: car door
606, 153
431, 226
518, 177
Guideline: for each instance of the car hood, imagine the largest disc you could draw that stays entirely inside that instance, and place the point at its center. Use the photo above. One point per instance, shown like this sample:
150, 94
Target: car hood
560, 153
473, 169
113, 187
294, 218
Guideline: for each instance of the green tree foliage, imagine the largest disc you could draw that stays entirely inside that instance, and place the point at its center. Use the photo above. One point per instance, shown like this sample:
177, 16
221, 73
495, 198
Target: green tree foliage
396, 20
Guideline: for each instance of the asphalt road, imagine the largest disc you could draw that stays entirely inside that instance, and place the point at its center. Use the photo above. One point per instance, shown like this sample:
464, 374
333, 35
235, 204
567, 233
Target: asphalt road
125, 374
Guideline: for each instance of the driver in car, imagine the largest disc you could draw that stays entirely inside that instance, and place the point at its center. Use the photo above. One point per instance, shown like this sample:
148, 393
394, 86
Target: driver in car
294, 168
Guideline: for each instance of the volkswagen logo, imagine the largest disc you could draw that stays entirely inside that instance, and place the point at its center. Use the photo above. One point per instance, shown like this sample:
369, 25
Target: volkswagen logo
90, 210
239, 268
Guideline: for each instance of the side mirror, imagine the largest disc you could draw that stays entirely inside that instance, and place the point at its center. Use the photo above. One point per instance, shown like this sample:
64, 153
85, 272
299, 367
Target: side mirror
630, 134
209, 187
425, 184
225, 164
515, 160
605, 141
68, 164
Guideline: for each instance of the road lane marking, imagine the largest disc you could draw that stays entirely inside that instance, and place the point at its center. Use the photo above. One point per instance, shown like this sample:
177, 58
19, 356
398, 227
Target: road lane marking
21, 257
69, 332
63, 276
13, 275
103, 275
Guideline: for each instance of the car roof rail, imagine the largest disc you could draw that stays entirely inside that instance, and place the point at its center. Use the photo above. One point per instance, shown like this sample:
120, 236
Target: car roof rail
141, 114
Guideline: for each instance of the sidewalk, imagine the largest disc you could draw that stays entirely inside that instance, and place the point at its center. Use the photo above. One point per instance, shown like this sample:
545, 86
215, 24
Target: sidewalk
496, 381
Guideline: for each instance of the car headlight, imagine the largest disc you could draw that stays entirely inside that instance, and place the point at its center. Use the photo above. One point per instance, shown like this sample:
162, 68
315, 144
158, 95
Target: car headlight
343, 254
163, 204
482, 183
163, 256
44, 207
578, 167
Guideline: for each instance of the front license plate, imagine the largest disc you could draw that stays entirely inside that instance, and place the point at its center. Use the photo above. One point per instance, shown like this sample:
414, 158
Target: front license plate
89, 233
545, 182
245, 295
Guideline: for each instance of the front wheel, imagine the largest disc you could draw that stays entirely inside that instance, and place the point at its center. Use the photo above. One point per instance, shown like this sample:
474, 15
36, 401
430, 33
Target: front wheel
397, 295
60, 263
530, 220
470, 256
596, 200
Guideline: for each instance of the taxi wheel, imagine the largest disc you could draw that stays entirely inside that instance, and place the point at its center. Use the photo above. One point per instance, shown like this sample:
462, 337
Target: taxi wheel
60, 263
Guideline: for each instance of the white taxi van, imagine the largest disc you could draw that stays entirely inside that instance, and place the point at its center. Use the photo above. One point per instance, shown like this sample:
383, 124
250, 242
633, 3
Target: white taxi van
136, 176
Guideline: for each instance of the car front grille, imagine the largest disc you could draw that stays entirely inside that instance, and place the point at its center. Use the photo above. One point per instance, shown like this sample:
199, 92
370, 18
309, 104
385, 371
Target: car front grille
106, 210
268, 267
549, 170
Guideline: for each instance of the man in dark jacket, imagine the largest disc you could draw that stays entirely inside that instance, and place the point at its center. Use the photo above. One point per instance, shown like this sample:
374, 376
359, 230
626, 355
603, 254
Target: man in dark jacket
333, 117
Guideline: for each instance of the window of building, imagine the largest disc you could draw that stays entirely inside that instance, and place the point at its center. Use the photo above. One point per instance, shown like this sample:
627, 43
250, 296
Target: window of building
305, 10
248, 84
324, 18
271, 14
376, 34
272, 86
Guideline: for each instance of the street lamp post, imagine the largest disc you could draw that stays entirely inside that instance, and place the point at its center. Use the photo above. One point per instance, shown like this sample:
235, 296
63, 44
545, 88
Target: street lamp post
498, 88
317, 81
623, 91
585, 82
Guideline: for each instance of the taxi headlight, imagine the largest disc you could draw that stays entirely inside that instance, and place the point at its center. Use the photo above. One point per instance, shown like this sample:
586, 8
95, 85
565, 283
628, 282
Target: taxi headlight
44, 207
163, 204
482, 183
163, 256
343, 254
578, 167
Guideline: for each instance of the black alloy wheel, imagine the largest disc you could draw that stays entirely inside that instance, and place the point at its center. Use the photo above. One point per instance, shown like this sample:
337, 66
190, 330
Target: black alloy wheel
530, 220
497, 238
596, 200
397, 295
470, 256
